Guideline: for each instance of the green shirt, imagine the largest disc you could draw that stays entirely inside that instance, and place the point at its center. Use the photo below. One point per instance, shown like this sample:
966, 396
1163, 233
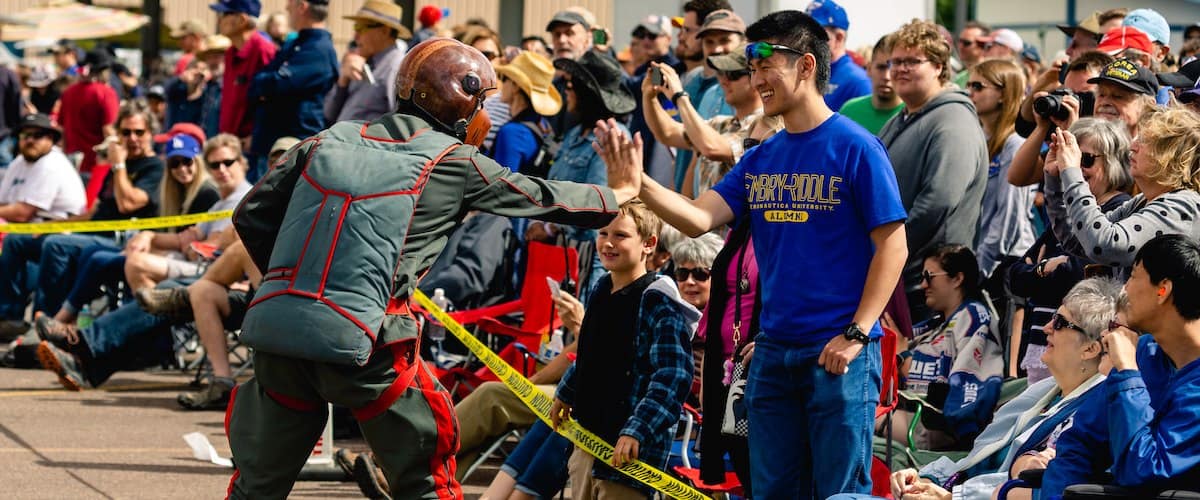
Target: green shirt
864, 113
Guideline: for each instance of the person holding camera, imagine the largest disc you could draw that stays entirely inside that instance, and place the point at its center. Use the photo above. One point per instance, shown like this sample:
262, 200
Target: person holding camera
720, 141
1026, 169
1164, 162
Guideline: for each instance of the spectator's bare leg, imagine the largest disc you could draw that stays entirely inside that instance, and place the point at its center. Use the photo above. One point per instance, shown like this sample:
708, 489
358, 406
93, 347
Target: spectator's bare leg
210, 304
144, 270
503, 485
233, 263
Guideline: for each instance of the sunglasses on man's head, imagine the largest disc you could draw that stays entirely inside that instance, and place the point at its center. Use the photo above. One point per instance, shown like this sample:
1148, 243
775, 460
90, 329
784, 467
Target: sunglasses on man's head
700, 273
1058, 322
763, 50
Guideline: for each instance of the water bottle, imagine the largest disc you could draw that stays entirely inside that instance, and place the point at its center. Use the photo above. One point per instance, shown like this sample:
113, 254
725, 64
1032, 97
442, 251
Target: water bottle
85, 318
554, 346
437, 331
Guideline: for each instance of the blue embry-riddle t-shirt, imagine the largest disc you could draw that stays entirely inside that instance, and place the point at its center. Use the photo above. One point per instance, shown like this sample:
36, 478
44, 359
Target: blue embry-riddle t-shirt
814, 198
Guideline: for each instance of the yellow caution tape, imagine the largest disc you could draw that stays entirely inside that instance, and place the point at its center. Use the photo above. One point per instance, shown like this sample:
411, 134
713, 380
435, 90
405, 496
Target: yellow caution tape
113, 225
540, 403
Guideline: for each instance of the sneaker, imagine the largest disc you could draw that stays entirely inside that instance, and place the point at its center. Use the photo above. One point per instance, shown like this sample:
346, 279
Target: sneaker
64, 364
62, 335
12, 329
173, 303
213, 398
370, 477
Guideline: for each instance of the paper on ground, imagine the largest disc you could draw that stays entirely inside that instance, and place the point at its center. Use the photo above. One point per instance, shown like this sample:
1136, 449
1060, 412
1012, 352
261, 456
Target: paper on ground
203, 450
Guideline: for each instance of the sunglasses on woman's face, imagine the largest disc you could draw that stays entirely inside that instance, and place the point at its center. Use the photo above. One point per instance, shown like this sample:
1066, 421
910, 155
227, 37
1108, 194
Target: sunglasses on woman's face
700, 273
178, 161
1058, 322
1088, 160
927, 276
216, 164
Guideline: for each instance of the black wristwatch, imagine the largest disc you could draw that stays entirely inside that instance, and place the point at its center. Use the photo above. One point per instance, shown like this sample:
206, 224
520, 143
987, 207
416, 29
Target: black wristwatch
855, 334
675, 98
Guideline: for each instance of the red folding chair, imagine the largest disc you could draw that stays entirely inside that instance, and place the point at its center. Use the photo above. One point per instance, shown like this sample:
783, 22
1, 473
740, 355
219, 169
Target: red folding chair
537, 317
889, 396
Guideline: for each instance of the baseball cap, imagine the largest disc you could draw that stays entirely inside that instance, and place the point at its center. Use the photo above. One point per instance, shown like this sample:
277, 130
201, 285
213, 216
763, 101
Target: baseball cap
1153, 24
183, 145
98, 59
283, 144
251, 7
1129, 75
829, 14
429, 15
733, 61
1007, 38
1090, 24
1030, 53
677, 22
1186, 77
1125, 37
39, 121
722, 20
185, 128
1188, 96
189, 27
567, 17
654, 24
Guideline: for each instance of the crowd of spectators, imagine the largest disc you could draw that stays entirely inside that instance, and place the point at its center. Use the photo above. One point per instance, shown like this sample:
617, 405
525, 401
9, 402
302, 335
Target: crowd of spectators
982, 204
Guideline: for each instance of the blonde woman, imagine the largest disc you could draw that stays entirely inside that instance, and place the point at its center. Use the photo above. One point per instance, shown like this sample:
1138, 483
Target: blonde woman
185, 189
1165, 164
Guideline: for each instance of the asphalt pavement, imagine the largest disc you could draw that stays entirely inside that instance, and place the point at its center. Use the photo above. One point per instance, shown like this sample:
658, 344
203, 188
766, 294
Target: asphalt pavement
124, 440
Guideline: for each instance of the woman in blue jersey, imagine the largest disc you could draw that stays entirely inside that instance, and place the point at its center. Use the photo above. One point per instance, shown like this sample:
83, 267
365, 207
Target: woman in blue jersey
954, 363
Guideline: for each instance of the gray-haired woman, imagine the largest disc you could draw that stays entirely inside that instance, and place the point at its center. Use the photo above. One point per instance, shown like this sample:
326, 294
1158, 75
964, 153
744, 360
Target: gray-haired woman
1047, 271
1023, 432
693, 266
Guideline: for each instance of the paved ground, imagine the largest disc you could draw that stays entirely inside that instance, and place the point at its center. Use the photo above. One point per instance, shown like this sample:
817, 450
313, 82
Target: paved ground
122, 441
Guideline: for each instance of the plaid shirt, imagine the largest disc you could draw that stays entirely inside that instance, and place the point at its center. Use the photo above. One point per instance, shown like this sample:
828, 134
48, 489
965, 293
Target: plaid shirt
662, 377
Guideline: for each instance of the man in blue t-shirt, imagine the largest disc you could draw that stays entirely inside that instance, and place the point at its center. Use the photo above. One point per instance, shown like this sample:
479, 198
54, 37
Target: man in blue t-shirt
828, 226
847, 80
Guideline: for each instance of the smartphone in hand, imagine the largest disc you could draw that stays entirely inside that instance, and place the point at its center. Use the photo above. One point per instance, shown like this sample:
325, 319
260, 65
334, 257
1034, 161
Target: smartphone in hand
656, 76
554, 288
599, 37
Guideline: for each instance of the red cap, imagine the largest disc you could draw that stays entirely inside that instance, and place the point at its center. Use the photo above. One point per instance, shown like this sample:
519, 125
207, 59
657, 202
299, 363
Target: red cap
429, 15
1125, 37
182, 128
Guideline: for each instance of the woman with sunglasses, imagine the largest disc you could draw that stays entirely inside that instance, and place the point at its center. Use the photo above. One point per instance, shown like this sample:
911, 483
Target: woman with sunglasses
1047, 271
487, 42
1023, 434
954, 362
1005, 221
1165, 165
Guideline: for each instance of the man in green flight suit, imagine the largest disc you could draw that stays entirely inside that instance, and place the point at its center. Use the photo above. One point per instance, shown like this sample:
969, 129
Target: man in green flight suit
342, 226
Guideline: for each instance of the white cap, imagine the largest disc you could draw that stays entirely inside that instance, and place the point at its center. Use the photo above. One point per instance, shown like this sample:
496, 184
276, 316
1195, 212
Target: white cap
1007, 38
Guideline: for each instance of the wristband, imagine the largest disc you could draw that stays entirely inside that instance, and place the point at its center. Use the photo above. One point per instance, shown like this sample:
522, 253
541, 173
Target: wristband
118, 166
675, 98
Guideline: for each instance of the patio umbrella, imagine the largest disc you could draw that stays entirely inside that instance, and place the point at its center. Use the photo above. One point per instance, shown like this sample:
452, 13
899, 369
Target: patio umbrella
71, 20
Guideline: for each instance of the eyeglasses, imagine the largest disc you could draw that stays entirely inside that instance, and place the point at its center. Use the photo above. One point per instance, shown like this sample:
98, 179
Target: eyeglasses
178, 161
735, 75
700, 273
216, 164
763, 50
359, 28
964, 43
34, 134
979, 86
126, 132
1088, 160
1115, 325
908, 63
1058, 322
489, 54
927, 276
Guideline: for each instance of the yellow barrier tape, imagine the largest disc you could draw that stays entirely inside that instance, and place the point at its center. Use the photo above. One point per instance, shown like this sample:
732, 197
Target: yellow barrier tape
113, 225
540, 403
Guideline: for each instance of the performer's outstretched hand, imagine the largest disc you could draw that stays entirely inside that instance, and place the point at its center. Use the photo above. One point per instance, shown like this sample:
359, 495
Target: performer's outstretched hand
622, 156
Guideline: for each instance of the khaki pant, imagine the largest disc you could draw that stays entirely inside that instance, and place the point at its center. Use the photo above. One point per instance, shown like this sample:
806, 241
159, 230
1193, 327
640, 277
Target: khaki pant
586, 487
488, 412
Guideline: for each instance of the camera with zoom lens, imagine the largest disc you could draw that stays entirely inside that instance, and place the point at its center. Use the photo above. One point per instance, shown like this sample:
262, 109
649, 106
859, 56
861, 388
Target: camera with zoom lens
1051, 105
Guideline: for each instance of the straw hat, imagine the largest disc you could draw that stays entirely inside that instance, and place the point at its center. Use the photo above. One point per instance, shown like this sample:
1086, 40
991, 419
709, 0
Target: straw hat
216, 43
533, 73
382, 12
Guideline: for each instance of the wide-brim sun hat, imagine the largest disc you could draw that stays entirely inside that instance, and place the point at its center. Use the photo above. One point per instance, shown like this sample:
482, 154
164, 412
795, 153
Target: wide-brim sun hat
601, 75
383, 12
534, 74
